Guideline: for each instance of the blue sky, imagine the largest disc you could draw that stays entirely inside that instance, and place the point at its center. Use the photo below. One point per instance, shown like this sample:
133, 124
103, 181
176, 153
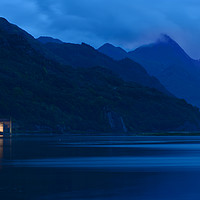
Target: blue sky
125, 23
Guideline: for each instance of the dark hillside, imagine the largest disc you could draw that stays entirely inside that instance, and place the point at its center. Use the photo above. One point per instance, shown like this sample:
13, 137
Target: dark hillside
42, 95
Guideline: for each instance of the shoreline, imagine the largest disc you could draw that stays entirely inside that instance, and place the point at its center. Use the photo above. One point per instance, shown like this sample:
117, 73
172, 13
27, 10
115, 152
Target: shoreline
104, 134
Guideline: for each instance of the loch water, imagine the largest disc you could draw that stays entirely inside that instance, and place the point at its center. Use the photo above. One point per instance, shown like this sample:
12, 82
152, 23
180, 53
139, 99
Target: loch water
66, 167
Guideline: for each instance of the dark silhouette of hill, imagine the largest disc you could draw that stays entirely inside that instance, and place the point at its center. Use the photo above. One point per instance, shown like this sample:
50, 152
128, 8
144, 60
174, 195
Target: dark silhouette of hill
132, 71
116, 53
43, 95
44, 39
85, 56
166, 60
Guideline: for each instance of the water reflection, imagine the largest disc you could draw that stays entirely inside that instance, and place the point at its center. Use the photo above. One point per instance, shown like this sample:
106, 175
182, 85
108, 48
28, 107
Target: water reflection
1, 150
106, 168
1, 147
5, 147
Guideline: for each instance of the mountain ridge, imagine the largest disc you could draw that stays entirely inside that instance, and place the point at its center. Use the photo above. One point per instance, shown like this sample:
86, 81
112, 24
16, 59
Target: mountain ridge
168, 62
47, 39
42, 95
179, 73
83, 55
116, 53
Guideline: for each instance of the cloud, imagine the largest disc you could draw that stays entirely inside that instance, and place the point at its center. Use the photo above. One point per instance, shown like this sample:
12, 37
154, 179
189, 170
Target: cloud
129, 23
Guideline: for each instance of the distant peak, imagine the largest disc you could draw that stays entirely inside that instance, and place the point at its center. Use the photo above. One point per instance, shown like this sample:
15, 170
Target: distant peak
116, 53
46, 39
164, 38
111, 47
84, 45
107, 45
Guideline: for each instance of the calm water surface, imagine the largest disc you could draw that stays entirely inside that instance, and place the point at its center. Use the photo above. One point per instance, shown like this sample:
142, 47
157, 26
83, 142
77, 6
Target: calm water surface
99, 168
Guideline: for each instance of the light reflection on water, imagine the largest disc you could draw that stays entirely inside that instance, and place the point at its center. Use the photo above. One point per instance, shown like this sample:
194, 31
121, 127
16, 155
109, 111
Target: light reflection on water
1, 147
1, 150
135, 145
115, 163
100, 168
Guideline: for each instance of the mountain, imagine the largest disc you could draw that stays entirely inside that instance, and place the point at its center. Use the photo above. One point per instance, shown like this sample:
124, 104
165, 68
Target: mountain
45, 96
83, 55
165, 51
167, 61
132, 71
45, 39
116, 53
127, 71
